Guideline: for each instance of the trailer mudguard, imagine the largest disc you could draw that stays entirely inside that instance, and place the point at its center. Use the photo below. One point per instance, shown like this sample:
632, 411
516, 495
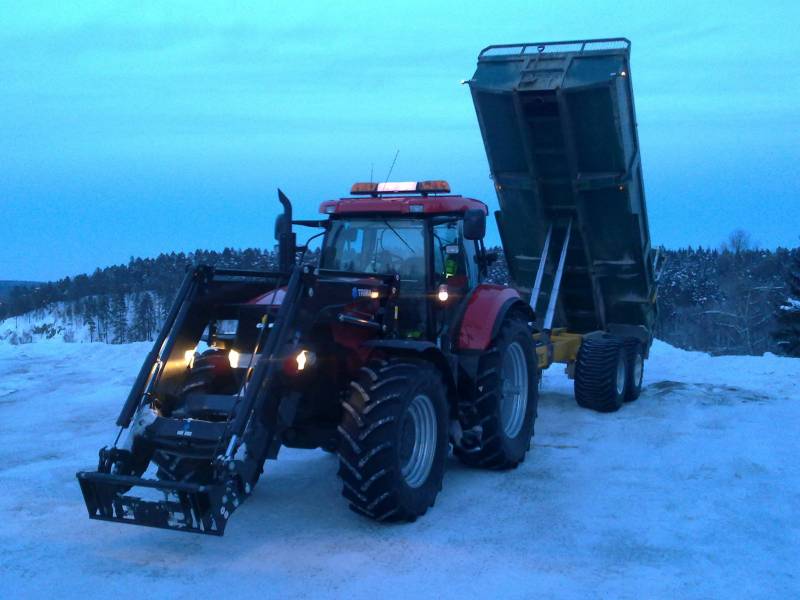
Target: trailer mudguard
486, 308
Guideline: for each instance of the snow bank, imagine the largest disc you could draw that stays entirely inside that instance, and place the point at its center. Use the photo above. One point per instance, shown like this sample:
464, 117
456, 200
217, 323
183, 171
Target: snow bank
692, 491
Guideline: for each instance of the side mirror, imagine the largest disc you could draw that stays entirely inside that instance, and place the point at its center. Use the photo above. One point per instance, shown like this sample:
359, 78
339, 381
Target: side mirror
280, 226
474, 224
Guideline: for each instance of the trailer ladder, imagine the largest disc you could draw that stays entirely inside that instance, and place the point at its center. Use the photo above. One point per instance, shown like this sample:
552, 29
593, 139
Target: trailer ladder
550, 289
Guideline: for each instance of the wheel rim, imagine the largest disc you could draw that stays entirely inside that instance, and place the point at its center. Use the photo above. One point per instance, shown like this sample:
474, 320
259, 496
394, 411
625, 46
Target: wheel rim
514, 400
418, 441
638, 369
620, 375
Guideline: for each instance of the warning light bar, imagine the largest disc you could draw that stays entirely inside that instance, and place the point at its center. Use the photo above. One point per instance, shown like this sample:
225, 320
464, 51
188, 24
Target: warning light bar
436, 186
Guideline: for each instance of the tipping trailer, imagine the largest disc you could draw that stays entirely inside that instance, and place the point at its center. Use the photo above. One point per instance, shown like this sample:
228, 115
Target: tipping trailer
559, 128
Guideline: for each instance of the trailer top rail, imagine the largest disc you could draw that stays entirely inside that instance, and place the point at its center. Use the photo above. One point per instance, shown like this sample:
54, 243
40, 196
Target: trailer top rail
579, 46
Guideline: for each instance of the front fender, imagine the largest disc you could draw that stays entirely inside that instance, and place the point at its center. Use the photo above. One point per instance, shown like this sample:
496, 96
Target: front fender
487, 306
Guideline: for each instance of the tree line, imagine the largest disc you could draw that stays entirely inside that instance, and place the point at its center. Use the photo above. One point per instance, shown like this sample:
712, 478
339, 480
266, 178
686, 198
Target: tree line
731, 300
734, 299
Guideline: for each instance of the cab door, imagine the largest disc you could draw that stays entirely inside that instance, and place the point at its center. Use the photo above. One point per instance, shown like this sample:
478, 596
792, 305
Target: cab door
454, 270
454, 265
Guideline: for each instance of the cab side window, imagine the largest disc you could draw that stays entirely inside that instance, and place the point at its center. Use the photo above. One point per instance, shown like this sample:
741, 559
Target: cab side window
449, 259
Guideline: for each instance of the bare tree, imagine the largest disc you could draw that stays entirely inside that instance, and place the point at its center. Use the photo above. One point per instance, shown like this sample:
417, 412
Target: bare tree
738, 241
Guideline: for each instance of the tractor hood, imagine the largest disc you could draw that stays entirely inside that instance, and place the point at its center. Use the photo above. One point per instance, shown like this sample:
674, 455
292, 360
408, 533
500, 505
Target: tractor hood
362, 286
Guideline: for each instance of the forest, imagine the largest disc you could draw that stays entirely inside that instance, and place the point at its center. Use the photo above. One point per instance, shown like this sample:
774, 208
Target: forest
731, 300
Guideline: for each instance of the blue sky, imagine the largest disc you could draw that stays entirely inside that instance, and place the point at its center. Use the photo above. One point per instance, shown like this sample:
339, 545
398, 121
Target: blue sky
128, 129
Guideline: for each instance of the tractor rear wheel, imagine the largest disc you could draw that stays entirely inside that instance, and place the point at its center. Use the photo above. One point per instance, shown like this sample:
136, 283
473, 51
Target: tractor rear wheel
497, 425
601, 373
394, 441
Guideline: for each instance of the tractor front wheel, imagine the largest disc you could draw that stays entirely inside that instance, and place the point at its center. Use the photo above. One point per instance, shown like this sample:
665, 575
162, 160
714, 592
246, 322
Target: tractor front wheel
394, 440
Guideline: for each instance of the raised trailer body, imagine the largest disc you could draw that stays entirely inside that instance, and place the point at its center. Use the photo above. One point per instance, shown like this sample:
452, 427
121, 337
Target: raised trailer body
559, 128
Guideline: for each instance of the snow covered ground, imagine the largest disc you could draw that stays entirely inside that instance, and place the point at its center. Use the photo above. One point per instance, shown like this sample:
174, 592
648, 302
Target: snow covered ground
692, 491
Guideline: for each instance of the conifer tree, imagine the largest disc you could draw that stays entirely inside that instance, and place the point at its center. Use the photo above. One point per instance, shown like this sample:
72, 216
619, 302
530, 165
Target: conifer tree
103, 315
788, 313
119, 318
144, 320
92, 328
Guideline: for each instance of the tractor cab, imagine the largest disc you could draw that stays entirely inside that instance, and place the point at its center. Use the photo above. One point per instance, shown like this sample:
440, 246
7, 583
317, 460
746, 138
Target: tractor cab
429, 239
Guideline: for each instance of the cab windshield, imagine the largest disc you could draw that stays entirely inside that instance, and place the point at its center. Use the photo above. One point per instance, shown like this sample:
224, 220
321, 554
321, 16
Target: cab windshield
385, 246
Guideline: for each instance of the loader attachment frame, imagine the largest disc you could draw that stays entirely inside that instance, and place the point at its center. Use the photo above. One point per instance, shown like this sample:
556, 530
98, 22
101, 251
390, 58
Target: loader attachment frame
185, 506
235, 449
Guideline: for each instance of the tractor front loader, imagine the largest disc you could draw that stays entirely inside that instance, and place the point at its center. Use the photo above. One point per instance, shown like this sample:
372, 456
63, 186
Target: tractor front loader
208, 446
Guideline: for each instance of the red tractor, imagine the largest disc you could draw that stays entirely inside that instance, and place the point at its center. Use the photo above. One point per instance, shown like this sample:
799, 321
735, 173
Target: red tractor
389, 352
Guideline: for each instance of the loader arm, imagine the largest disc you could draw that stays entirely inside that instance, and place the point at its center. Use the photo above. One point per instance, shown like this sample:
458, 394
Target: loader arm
233, 450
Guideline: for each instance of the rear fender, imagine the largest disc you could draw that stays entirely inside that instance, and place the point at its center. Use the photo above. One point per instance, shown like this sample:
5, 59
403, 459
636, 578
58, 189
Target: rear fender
487, 307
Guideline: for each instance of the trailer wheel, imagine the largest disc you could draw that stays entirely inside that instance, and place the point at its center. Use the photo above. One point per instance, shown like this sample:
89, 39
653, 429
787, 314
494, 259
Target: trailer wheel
498, 424
601, 374
635, 369
394, 440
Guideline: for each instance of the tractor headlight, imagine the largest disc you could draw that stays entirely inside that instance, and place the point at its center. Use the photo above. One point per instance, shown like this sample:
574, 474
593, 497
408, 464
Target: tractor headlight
305, 358
443, 294
238, 360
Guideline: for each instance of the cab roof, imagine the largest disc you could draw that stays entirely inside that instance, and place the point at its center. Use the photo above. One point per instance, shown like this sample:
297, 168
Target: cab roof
402, 197
401, 205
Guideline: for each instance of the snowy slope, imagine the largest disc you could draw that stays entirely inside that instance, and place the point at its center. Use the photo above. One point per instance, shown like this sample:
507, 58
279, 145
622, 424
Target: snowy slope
692, 491
47, 323
65, 321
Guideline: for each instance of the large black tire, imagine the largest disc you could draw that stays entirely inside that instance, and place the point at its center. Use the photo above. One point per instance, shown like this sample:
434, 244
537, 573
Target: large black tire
601, 373
210, 374
635, 352
497, 424
393, 406
206, 376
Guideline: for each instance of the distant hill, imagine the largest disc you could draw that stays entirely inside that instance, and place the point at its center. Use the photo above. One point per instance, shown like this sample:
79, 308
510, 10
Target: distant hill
6, 286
